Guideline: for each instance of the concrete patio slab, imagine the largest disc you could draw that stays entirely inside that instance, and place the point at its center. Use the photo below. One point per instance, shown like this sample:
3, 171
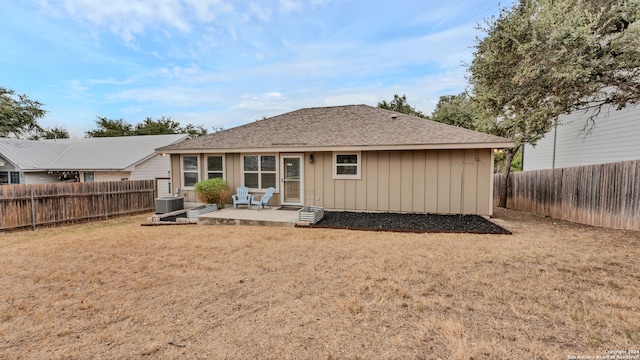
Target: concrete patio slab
243, 216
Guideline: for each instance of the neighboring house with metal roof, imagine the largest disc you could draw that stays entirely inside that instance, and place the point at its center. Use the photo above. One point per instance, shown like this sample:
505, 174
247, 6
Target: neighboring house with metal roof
354, 157
614, 137
85, 160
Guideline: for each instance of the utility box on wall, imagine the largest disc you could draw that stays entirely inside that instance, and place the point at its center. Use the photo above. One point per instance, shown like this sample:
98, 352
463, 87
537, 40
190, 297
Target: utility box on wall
169, 204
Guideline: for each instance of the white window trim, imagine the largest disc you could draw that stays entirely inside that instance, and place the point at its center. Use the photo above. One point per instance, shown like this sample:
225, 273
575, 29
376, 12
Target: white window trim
184, 187
224, 165
358, 165
259, 172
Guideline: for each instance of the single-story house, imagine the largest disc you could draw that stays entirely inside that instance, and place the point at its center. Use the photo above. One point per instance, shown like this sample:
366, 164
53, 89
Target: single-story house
354, 157
85, 159
614, 137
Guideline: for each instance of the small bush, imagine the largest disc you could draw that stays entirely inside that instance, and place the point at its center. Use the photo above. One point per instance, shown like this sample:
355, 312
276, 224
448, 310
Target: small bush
213, 191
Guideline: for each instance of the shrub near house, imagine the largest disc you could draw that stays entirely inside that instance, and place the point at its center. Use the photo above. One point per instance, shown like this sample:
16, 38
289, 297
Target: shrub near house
213, 191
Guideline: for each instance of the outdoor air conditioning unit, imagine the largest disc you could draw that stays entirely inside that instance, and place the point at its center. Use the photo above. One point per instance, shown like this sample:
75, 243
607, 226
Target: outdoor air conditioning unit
169, 204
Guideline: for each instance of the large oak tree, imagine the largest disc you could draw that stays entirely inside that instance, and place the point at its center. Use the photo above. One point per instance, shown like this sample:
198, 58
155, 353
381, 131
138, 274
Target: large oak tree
544, 58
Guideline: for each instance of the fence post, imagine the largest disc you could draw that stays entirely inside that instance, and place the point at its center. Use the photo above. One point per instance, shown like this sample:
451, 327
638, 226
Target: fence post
33, 212
104, 204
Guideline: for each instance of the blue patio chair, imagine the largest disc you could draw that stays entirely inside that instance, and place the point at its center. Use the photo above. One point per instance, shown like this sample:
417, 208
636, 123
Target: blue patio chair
241, 197
264, 201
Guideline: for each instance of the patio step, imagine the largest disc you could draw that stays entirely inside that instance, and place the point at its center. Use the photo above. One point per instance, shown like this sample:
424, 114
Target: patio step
250, 222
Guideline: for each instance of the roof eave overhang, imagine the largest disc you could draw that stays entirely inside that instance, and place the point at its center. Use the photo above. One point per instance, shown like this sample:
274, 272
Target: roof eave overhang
132, 167
17, 166
278, 149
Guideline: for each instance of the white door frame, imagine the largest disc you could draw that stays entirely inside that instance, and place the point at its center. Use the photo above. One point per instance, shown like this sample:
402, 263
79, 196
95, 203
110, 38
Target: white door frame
283, 172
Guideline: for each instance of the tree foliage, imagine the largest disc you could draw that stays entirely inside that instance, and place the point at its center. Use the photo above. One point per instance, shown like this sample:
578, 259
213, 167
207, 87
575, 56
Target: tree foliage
196, 130
457, 110
400, 104
499, 161
111, 128
18, 114
164, 125
461, 110
57, 132
544, 58
157, 127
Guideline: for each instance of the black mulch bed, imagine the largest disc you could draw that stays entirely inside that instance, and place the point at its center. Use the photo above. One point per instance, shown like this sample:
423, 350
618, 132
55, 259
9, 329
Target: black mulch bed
409, 222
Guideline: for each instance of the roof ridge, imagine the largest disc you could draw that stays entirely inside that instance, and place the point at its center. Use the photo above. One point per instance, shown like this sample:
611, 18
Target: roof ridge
331, 106
67, 147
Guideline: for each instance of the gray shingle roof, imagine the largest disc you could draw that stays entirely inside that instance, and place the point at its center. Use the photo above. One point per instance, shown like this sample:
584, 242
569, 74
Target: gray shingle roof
114, 153
340, 126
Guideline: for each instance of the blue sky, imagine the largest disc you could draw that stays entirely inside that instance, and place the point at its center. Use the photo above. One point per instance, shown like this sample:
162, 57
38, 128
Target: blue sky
221, 63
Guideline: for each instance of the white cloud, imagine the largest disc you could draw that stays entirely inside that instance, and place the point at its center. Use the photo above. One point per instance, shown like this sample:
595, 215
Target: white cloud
265, 102
256, 10
223, 62
319, 2
319, 65
125, 18
46, 8
76, 90
289, 5
208, 10
179, 72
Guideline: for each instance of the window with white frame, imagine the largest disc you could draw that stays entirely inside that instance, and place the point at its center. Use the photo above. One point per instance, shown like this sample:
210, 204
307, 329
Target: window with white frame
190, 173
215, 166
259, 171
346, 165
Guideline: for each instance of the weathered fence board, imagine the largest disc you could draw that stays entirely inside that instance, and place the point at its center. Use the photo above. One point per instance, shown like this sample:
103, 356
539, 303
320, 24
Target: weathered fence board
24, 206
606, 195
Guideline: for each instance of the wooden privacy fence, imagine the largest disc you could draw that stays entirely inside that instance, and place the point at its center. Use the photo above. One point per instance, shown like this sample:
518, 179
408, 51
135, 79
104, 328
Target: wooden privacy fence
606, 195
24, 206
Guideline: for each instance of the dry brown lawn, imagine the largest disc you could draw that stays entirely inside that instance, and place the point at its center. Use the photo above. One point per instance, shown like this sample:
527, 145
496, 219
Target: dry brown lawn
117, 290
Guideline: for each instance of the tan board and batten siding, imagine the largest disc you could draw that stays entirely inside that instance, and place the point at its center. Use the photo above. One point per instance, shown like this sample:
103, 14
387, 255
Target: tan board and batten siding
421, 181
405, 181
